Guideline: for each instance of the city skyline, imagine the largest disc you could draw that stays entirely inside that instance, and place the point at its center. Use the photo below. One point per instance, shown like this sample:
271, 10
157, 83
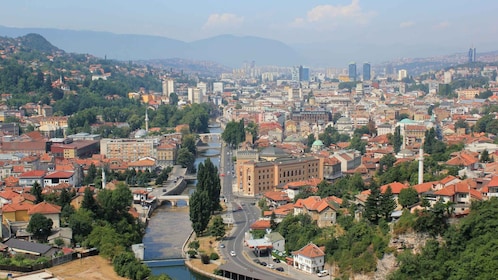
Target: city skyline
361, 30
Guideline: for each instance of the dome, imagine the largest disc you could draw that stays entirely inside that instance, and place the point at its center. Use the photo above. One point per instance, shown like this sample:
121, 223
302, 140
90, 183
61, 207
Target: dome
140, 133
407, 121
317, 142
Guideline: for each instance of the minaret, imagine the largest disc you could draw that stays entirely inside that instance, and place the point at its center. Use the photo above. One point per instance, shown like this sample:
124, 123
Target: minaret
103, 179
420, 166
146, 120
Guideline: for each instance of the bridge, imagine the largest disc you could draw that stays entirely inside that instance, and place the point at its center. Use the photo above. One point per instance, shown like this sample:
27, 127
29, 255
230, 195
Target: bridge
174, 199
207, 137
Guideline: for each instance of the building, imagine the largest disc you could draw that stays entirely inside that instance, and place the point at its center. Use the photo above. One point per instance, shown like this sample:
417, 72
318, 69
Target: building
127, 149
195, 95
168, 87
402, 74
320, 210
304, 74
57, 177
218, 87
352, 71
166, 154
472, 55
367, 72
310, 258
254, 178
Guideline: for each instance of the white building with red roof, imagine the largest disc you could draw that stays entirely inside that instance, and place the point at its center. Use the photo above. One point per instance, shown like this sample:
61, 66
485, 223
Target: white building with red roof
310, 258
57, 177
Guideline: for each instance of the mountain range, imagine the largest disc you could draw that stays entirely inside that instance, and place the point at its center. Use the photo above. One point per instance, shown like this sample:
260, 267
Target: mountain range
228, 50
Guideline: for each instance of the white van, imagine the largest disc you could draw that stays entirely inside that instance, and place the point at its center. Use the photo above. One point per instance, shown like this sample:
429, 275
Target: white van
323, 273
149, 189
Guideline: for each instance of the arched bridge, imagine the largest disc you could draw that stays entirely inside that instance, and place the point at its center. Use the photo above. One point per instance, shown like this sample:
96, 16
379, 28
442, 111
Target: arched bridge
174, 199
207, 137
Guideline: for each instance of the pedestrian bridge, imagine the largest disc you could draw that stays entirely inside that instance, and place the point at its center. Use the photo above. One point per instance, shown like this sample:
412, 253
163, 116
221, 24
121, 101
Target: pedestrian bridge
174, 199
208, 137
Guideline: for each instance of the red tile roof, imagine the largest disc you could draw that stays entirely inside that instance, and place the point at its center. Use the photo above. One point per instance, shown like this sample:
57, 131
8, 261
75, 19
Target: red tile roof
260, 225
44, 208
33, 174
276, 196
59, 174
396, 187
310, 251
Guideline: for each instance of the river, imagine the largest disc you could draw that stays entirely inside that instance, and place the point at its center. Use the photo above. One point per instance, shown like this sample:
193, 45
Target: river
169, 227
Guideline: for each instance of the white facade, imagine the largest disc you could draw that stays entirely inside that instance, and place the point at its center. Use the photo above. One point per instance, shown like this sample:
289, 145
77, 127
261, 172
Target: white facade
218, 87
402, 74
310, 259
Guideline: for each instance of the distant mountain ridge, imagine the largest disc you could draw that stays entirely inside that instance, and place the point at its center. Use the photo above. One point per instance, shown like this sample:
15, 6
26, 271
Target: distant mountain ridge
225, 49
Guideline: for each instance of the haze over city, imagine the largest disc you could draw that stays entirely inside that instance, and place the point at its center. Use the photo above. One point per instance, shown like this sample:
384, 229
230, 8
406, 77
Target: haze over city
335, 31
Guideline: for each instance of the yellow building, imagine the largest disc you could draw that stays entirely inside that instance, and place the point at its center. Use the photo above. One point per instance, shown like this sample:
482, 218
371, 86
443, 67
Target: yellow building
254, 178
127, 149
17, 212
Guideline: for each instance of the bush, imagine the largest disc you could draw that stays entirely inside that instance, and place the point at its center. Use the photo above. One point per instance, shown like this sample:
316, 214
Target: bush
214, 256
205, 259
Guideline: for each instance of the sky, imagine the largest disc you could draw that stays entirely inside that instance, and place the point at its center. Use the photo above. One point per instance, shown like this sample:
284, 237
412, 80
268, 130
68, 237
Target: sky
438, 25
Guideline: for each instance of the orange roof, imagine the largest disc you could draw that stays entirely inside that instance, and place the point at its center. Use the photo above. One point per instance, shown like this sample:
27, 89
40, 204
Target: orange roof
16, 207
276, 196
464, 159
59, 174
8, 194
396, 187
493, 182
283, 210
33, 174
310, 251
44, 208
312, 203
424, 187
260, 225
447, 179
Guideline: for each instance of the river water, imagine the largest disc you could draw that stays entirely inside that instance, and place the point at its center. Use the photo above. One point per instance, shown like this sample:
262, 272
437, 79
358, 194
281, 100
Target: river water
169, 227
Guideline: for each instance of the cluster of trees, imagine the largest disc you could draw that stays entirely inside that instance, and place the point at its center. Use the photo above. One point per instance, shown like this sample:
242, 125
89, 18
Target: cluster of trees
469, 250
206, 198
379, 205
234, 133
187, 152
103, 221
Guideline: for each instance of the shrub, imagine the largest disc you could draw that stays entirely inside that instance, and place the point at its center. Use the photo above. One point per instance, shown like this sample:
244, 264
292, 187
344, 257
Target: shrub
214, 256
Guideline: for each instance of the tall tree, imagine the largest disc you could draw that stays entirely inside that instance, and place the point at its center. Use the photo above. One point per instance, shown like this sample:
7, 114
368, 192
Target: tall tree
36, 190
209, 180
397, 140
387, 204
372, 205
199, 211
217, 227
89, 202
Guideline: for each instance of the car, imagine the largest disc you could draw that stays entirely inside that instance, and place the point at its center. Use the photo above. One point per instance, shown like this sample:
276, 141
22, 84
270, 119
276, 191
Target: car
263, 263
257, 261
323, 273
149, 189
281, 269
222, 245
270, 265
276, 260
233, 254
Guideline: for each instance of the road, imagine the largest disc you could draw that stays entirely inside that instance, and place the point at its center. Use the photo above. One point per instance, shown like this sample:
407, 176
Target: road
242, 219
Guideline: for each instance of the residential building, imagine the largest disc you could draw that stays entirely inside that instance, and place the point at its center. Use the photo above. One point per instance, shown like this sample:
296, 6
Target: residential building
50, 211
57, 177
323, 211
30, 177
310, 258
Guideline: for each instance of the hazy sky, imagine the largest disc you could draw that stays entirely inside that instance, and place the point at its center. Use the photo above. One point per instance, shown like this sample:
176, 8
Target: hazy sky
448, 24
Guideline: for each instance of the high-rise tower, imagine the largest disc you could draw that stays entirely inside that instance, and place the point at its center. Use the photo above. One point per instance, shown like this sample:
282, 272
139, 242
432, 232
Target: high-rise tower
352, 71
367, 72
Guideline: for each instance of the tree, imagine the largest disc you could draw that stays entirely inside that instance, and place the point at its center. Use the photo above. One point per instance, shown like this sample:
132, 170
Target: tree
36, 190
311, 140
90, 175
209, 180
40, 226
408, 197
89, 202
387, 204
199, 211
372, 205
484, 156
114, 204
186, 159
188, 141
81, 223
173, 99
217, 227
64, 198
397, 140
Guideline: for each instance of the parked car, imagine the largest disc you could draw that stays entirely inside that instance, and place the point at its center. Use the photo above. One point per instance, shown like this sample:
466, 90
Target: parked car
276, 260
323, 273
263, 263
281, 269
270, 265
222, 245
233, 254
257, 261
